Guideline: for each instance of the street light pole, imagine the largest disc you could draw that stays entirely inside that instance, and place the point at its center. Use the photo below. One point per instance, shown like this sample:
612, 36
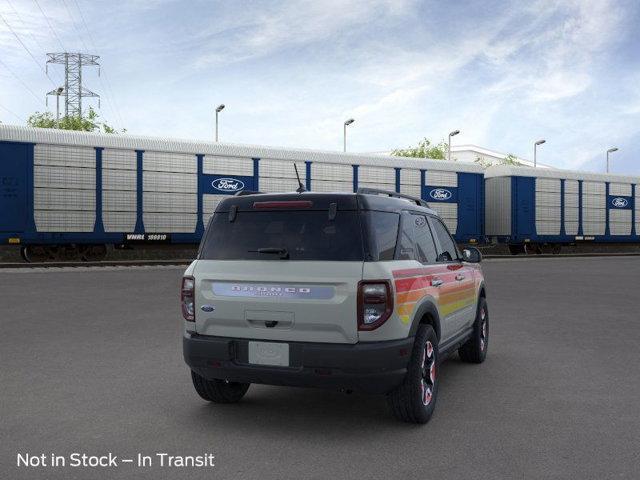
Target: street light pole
452, 134
59, 90
347, 122
218, 110
535, 152
611, 150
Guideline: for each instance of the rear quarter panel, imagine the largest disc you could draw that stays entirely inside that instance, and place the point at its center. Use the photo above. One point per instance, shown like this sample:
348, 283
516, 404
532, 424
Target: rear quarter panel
408, 293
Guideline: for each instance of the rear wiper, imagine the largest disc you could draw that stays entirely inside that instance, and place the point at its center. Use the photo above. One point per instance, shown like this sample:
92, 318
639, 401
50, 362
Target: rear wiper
284, 254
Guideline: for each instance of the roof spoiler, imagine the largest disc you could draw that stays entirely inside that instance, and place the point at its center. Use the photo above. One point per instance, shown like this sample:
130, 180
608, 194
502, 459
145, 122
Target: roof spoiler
377, 191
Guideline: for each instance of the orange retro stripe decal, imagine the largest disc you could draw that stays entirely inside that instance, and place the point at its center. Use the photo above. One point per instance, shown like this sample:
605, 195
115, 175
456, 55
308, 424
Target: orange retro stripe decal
412, 284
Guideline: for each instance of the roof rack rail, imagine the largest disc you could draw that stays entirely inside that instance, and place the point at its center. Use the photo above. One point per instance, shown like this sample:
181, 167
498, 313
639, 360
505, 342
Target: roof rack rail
378, 191
242, 193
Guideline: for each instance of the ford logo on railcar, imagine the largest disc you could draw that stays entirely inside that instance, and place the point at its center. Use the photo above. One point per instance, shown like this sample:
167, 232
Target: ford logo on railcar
619, 202
228, 184
440, 194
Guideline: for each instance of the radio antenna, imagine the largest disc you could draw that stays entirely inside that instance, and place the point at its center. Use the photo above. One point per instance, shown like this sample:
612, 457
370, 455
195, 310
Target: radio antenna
301, 188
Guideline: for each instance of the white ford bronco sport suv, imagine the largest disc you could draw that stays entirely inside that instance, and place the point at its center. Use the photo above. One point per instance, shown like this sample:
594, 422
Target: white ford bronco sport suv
358, 291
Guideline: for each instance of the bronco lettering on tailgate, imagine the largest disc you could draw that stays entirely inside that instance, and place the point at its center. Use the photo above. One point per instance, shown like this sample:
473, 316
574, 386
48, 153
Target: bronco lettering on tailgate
230, 289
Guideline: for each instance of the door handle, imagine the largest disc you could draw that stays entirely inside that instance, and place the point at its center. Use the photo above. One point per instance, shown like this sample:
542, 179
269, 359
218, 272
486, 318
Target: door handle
459, 277
436, 282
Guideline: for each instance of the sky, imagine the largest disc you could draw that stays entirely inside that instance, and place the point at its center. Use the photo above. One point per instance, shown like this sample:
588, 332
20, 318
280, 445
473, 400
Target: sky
291, 72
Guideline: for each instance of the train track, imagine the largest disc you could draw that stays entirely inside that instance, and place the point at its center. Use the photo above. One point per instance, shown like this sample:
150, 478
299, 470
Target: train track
184, 262
564, 255
104, 263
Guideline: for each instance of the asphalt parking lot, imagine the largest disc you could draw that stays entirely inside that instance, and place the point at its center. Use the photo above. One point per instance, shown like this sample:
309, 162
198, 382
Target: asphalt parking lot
91, 362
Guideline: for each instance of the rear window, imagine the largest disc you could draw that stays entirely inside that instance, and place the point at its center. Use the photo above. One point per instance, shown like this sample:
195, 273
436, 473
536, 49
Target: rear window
278, 235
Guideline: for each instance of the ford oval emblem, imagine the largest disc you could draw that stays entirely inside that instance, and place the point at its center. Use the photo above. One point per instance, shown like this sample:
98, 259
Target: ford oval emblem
207, 308
228, 184
440, 194
619, 202
420, 221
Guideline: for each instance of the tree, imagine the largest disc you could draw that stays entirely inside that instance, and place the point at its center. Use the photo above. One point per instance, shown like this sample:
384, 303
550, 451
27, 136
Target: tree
87, 123
424, 150
510, 159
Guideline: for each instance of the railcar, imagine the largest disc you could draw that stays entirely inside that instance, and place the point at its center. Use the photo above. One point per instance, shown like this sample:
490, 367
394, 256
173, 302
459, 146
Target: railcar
540, 210
74, 193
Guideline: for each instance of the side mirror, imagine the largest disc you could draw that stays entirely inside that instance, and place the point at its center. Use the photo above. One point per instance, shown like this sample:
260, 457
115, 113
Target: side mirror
471, 255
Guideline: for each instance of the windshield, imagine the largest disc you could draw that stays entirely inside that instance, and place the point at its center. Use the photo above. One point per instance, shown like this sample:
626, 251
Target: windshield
284, 235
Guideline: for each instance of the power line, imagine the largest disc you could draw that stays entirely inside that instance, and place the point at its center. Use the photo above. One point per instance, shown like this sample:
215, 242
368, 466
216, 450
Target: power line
106, 85
85, 24
50, 26
27, 49
110, 97
12, 113
24, 25
75, 27
21, 81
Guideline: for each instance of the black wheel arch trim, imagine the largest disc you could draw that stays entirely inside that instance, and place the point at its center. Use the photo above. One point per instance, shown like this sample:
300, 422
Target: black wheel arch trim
482, 290
427, 306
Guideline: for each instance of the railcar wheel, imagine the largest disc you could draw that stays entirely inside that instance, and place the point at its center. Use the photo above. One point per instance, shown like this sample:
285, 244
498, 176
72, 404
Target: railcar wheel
34, 253
67, 253
93, 253
516, 249
547, 248
532, 249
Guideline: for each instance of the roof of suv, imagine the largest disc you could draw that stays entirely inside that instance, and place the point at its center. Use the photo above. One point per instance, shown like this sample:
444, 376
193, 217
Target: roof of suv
322, 201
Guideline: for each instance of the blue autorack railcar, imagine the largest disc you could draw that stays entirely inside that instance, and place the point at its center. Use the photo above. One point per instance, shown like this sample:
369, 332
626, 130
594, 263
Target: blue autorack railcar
79, 192
533, 210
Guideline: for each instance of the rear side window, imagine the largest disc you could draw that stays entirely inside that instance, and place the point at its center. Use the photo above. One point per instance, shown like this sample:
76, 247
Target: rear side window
425, 247
416, 241
448, 251
406, 250
284, 235
382, 234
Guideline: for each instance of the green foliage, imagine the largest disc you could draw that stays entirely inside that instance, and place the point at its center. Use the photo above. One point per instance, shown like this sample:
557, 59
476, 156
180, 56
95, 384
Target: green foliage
424, 150
484, 163
510, 159
87, 123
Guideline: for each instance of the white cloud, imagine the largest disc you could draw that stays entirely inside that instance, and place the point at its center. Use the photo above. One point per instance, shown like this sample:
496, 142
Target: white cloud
260, 32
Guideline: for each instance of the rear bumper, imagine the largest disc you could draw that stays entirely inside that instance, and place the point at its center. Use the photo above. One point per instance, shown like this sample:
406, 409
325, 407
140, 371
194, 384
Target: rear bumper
372, 367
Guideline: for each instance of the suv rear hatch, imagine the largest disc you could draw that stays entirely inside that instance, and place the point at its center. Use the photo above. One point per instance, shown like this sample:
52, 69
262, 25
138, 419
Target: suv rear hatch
283, 270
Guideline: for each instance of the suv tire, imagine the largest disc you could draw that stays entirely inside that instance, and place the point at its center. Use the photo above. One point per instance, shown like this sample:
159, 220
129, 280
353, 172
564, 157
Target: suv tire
414, 401
475, 349
219, 391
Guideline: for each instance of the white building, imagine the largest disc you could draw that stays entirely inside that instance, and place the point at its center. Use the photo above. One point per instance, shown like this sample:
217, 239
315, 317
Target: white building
471, 153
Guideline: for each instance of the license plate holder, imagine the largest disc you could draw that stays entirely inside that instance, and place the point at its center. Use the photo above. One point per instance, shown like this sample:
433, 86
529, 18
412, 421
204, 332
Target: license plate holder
269, 353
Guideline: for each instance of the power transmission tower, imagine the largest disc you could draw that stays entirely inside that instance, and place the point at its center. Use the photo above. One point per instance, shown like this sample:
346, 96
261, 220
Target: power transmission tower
73, 91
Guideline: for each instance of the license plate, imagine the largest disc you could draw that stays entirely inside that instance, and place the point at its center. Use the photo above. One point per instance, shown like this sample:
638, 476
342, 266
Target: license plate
269, 353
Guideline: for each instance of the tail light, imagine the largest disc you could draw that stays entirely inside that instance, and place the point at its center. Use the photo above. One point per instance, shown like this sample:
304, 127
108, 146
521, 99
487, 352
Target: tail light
375, 303
187, 298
